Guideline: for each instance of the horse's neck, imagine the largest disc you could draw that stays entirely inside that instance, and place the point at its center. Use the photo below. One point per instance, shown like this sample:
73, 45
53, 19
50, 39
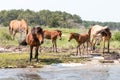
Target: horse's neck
76, 37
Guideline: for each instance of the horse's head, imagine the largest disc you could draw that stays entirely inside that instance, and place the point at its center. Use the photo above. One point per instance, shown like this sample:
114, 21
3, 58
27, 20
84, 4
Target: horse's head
100, 35
37, 33
71, 35
24, 26
98, 39
59, 34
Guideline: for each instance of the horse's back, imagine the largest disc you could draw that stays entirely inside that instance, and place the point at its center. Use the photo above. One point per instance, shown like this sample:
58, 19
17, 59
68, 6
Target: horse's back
96, 29
84, 37
49, 34
24, 23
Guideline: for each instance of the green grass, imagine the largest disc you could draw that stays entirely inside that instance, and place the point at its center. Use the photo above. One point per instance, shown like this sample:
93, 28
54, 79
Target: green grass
21, 60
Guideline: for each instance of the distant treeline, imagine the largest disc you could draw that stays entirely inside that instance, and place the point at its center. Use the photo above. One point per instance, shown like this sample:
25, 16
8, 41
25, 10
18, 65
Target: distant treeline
50, 19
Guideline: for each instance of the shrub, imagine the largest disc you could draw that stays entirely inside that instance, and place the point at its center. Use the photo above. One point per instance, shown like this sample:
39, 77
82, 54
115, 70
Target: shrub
116, 36
5, 36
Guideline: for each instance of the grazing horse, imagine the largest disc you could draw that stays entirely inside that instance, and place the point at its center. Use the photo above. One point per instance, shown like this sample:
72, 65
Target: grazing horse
18, 26
97, 34
80, 39
53, 34
34, 39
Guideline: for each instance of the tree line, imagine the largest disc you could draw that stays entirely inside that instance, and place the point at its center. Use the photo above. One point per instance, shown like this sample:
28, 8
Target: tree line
50, 19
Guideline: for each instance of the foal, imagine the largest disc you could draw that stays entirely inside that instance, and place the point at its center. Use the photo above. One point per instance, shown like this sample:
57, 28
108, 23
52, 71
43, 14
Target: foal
81, 39
53, 35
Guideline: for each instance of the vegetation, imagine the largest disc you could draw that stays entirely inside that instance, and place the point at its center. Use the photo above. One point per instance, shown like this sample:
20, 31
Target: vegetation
21, 60
111, 25
51, 19
116, 36
43, 17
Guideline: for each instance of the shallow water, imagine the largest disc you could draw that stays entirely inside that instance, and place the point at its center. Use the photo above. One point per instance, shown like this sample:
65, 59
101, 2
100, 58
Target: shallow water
63, 72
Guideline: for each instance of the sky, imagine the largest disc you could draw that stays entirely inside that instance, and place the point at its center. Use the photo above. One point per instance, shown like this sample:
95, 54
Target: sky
91, 10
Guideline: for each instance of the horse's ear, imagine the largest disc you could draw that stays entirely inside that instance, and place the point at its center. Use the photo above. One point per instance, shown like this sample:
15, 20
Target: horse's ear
39, 29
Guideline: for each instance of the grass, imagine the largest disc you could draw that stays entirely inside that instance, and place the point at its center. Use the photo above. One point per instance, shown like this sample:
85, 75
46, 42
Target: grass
21, 60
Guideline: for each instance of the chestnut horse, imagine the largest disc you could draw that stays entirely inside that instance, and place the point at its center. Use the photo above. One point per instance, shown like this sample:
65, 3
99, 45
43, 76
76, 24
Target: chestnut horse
53, 34
34, 39
18, 26
97, 34
80, 39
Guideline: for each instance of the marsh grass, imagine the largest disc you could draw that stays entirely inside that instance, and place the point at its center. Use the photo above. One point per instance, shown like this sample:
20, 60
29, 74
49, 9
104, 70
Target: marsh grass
21, 60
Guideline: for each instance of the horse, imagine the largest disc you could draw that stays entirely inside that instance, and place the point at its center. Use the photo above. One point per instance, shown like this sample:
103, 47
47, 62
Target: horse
53, 35
99, 33
80, 39
34, 39
18, 26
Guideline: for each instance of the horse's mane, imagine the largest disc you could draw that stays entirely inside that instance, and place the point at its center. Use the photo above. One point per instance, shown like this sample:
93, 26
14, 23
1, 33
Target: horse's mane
33, 31
105, 32
89, 31
75, 34
58, 30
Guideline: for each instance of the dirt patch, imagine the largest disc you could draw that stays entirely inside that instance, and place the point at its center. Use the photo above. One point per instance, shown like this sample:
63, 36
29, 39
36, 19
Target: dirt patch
20, 49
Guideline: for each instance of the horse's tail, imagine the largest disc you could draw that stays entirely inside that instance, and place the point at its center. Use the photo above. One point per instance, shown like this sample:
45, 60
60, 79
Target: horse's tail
89, 32
24, 43
10, 30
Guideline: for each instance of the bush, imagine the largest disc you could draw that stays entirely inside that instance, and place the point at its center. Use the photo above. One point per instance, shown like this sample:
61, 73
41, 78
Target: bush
116, 36
5, 36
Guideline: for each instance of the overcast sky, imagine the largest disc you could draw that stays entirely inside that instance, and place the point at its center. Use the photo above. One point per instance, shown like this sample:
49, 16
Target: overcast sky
92, 10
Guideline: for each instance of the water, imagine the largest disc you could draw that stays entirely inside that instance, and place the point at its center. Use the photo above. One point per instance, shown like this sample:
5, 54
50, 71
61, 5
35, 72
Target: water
63, 72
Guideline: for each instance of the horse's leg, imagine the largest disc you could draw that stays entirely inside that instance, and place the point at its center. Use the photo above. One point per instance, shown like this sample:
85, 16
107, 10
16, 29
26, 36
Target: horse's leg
55, 46
31, 49
36, 53
53, 42
87, 47
14, 33
108, 46
77, 49
103, 45
93, 46
80, 51
83, 48
90, 45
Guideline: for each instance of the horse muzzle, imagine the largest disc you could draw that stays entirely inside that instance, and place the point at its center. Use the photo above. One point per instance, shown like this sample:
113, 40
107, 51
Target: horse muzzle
41, 42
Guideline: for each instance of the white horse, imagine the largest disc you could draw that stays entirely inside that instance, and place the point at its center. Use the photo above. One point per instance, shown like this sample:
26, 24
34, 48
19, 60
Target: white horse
97, 34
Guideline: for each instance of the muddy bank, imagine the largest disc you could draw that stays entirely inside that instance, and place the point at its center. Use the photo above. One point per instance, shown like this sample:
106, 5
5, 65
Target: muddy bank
113, 55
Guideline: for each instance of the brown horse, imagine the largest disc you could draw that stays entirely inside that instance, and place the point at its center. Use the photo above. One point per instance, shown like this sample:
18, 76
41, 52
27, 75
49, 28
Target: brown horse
97, 34
18, 26
53, 34
34, 39
80, 39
